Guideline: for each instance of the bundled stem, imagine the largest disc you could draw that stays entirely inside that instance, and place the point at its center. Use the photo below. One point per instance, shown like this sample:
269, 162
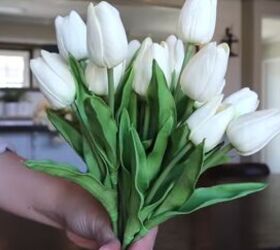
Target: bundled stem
111, 89
146, 121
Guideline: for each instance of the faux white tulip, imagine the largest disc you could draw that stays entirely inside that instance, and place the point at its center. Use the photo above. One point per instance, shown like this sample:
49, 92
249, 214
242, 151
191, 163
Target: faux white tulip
161, 55
251, 132
143, 67
133, 47
209, 123
107, 40
203, 77
176, 56
144, 63
97, 78
197, 21
71, 34
55, 79
244, 101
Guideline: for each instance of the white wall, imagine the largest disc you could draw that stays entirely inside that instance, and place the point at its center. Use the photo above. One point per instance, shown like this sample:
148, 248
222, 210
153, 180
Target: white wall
229, 15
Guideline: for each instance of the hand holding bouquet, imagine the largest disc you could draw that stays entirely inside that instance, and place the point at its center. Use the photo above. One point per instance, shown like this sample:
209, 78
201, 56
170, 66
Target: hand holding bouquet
148, 119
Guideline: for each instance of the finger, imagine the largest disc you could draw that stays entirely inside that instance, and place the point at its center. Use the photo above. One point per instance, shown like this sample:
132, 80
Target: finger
82, 242
146, 242
114, 245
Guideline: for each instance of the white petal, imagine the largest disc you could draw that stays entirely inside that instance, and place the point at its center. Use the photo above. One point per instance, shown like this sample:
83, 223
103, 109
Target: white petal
204, 113
143, 67
251, 132
133, 47
107, 40
197, 21
52, 86
213, 130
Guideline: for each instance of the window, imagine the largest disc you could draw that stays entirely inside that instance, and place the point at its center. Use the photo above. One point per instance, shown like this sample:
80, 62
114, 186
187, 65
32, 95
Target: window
14, 69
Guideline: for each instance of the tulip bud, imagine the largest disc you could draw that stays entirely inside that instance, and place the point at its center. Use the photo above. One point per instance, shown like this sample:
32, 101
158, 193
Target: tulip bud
97, 78
176, 56
209, 123
203, 77
197, 21
161, 55
143, 65
251, 132
55, 79
133, 47
71, 36
244, 101
107, 40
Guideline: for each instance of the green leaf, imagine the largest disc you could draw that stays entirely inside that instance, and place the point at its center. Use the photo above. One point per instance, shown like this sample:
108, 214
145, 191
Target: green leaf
178, 140
107, 197
142, 166
124, 133
79, 76
103, 127
160, 100
136, 199
147, 144
155, 158
148, 210
186, 183
205, 197
71, 135
124, 93
185, 107
133, 109
216, 157
93, 165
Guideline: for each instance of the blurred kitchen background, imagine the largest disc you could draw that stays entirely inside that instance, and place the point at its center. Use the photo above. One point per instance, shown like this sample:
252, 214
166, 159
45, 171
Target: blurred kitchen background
250, 27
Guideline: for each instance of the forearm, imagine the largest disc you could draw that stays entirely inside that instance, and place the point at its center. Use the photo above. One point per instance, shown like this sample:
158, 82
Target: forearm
26, 193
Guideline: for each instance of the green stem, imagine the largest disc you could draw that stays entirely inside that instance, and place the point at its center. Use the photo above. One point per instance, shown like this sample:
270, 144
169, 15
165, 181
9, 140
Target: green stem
174, 82
227, 148
111, 89
146, 121
212, 161
190, 50
166, 172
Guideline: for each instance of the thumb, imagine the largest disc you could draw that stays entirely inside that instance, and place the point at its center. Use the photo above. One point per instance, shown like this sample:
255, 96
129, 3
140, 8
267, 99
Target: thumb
114, 245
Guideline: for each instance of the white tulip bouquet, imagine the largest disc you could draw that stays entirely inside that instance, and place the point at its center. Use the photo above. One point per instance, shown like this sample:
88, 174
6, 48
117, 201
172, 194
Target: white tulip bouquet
148, 119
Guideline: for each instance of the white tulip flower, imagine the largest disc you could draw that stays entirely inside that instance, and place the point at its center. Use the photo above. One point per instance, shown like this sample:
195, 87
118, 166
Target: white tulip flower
203, 77
251, 132
143, 67
133, 47
244, 101
176, 56
209, 123
97, 78
107, 40
71, 34
161, 55
197, 21
55, 79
